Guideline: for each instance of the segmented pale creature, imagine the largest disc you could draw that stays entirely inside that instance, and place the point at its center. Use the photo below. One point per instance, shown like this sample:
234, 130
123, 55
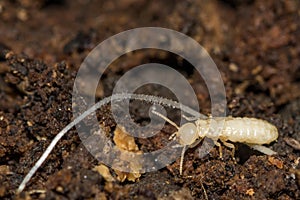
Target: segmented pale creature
251, 131
189, 134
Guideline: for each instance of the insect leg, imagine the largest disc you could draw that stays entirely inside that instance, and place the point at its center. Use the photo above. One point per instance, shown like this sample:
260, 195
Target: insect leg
181, 159
220, 148
231, 146
173, 136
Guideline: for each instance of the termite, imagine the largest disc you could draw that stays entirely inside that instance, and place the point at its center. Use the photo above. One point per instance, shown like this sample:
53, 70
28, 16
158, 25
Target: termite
251, 131
189, 134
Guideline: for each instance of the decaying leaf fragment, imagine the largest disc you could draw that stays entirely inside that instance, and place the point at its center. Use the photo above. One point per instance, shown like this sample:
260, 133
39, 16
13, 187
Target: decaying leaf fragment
278, 163
125, 142
250, 192
104, 171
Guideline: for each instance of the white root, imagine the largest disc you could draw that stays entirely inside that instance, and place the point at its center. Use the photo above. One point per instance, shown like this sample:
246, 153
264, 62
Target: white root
121, 96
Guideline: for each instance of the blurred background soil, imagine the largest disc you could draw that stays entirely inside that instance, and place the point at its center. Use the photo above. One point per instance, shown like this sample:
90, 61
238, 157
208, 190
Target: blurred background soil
255, 44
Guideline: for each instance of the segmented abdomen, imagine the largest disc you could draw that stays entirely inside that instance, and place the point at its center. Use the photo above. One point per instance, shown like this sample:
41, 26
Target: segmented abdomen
248, 130
237, 129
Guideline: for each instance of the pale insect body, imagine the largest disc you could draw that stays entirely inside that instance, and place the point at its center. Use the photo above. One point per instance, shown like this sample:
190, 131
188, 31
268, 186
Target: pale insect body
251, 131
190, 134
240, 129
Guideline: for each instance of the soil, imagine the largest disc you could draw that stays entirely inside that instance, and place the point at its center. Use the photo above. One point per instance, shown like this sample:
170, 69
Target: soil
255, 44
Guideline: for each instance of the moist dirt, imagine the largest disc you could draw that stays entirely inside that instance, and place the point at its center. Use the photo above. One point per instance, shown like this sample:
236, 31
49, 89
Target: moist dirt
255, 44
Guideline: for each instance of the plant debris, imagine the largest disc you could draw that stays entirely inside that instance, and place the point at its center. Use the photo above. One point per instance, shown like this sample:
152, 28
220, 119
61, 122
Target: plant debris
255, 45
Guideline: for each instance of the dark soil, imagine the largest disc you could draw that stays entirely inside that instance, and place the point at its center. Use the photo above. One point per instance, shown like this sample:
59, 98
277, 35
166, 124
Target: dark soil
255, 44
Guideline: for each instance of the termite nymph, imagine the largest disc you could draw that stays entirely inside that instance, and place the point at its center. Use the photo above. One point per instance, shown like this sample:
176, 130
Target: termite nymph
251, 131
